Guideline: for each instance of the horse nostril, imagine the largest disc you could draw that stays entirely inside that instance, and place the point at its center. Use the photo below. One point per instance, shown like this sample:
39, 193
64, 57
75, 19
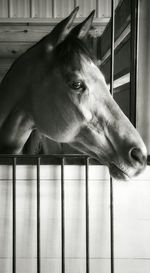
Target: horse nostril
137, 156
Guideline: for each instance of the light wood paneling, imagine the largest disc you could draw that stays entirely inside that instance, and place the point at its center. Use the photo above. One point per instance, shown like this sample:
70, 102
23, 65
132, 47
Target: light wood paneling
23, 33
86, 6
63, 8
52, 8
4, 8
15, 39
103, 8
19, 8
4, 66
13, 50
42, 8
33, 33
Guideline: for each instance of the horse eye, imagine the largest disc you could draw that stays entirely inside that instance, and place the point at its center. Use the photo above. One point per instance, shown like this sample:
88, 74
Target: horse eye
77, 85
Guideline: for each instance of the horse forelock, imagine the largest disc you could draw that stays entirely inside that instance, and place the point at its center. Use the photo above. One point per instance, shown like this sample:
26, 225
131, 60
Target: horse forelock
69, 52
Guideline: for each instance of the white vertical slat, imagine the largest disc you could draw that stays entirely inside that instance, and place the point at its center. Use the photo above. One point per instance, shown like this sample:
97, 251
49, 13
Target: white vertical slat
3, 8
132, 224
74, 218
86, 6
26, 222
103, 8
50, 224
19, 8
132, 265
63, 8
42, 8
5, 219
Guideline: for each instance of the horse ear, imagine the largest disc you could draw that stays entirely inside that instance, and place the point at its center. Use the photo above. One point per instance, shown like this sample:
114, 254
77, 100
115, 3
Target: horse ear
83, 28
61, 30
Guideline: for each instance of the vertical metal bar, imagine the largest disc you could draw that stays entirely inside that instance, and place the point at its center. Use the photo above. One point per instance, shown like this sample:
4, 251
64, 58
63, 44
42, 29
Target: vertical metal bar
53, 9
112, 46
133, 64
38, 216
62, 218
30, 7
111, 90
111, 225
9, 13
97, 8
14, 217
87, 212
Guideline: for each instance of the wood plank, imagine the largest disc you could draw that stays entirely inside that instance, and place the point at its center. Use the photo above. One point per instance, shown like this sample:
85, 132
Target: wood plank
103, 8
9, 51
34, 32
19, 8
13, 50
86, 6
42, 8
48, 21
122, 61
3, 8
122, 19
23, 33
63, 8
5, 64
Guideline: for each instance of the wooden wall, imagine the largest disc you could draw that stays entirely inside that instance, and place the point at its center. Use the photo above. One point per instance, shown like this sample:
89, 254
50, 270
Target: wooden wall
52, 8
131, 220
24, 22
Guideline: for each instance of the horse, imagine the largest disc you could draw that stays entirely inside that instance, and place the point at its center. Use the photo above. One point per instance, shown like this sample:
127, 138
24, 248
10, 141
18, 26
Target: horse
55, 93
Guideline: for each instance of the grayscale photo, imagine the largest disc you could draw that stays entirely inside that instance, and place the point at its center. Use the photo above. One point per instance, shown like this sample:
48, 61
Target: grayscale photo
74, 136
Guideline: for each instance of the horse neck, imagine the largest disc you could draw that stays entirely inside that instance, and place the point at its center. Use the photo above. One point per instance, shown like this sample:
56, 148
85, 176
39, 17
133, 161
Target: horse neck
15, 85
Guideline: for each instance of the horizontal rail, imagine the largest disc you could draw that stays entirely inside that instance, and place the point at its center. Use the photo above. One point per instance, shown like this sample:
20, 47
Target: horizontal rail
52, 158
14, 216
42, 155
49, 21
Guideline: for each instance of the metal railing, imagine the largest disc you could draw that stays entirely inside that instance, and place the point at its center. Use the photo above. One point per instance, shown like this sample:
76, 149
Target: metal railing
36, 160
14, 160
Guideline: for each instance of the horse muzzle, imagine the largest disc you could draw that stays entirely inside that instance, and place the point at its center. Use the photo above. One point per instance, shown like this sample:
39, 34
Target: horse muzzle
134, 165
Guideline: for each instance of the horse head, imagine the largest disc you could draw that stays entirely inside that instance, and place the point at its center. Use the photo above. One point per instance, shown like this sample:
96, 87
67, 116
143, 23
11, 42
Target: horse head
71, 103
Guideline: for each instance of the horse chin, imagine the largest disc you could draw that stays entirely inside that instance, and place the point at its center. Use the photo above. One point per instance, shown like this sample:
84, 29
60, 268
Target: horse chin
117, 173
